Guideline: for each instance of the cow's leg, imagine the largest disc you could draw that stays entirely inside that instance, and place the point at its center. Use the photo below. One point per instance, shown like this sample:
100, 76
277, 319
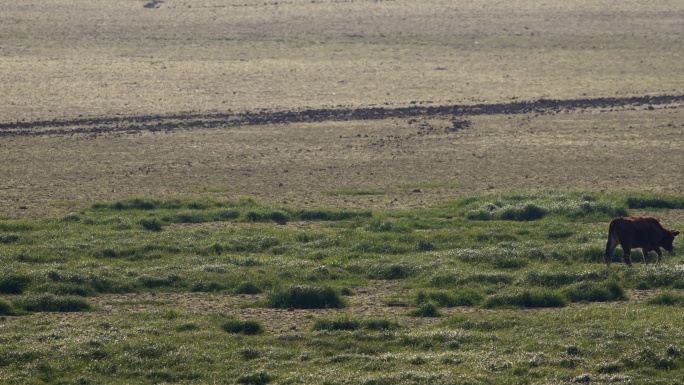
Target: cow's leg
610, 249
660, 255
627, 255
644, 253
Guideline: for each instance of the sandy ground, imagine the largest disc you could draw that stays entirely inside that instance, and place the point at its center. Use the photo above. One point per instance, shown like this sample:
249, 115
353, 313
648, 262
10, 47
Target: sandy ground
416, 162
69, 58
69, 68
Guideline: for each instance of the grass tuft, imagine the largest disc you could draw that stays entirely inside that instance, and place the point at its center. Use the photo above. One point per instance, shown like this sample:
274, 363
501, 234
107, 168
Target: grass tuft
460, 297
6, 308
553, 278
259, 378
665, 276
247, 287
531, 206
152, 224
391, 271
68, 288
248, 327
9, 238
667, 299
14, 283
426, 309
654, 201
522, 212
595, 292
350, 323
331, 215
267, 216
305, 297
526, 299
250, 353
52, 303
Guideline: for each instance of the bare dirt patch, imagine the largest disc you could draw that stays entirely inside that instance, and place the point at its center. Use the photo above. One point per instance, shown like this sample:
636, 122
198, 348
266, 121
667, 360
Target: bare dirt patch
283, 100
65, 59
413, 157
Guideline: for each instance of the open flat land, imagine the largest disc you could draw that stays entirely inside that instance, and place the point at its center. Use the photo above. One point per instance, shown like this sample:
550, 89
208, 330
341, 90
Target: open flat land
352, 145
181, 62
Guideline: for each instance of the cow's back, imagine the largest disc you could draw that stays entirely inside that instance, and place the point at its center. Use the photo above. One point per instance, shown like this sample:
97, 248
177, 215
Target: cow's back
637, 231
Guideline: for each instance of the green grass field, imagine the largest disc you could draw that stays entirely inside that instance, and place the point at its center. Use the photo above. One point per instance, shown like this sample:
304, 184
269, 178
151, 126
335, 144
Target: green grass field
226, 192
492, 288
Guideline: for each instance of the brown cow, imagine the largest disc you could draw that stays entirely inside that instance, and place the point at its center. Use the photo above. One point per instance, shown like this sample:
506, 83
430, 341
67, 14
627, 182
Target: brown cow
638, 232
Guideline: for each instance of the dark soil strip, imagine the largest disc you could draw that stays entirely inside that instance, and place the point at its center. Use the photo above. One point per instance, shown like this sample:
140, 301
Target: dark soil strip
153, 4
190, 121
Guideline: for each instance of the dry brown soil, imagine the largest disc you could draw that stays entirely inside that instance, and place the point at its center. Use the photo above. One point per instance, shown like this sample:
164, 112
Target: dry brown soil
416, 161
103, 100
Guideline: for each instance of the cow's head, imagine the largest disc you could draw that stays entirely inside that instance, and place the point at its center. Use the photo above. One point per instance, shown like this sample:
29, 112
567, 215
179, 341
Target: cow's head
668, 239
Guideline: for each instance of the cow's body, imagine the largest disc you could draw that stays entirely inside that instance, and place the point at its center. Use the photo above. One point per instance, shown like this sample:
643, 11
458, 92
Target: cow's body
645, 233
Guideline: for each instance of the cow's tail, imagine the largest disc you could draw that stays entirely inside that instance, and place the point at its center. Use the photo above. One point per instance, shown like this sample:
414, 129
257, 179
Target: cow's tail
611, 244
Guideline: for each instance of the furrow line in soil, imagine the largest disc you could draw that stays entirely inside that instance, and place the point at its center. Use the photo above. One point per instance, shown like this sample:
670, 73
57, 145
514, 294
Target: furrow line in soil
134, 124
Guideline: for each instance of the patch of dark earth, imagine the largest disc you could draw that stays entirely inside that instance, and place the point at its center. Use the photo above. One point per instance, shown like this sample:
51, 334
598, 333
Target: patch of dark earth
153, 4
456, 112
